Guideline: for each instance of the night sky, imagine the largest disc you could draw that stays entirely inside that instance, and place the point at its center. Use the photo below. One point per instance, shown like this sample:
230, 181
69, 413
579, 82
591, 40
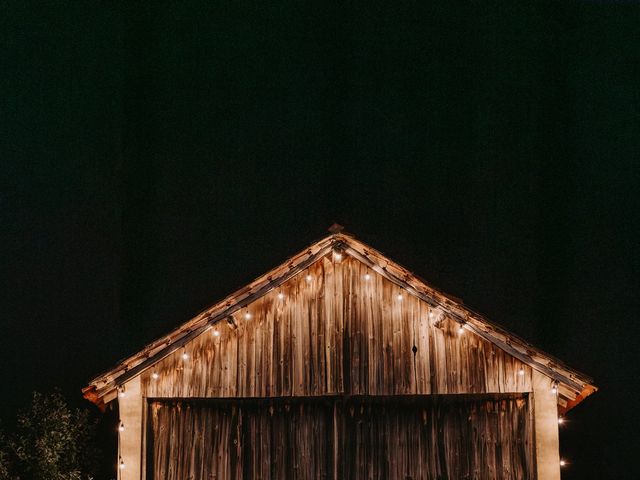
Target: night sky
154, 159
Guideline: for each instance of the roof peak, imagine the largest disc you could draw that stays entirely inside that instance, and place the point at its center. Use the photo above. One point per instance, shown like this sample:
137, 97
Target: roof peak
335, 228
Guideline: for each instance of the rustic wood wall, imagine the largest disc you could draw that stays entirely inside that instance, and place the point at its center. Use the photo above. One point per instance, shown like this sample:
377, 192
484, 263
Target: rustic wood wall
336, 331
336, 438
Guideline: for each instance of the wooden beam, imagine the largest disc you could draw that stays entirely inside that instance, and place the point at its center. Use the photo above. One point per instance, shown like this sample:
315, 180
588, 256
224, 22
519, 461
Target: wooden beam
545, 408
130, 440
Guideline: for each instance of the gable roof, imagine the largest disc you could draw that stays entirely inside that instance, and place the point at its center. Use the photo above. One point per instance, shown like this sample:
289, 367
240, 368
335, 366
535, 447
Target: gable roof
573, 386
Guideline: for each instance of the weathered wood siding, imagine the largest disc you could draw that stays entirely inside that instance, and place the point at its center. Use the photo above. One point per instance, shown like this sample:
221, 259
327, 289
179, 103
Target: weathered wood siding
337, 332
338, 438
238, 441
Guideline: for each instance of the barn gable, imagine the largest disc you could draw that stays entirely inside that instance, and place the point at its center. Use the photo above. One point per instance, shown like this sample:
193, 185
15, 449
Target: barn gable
336, 327
338, 318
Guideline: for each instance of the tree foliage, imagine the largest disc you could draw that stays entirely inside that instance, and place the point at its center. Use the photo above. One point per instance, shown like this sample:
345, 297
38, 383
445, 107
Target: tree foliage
50, 442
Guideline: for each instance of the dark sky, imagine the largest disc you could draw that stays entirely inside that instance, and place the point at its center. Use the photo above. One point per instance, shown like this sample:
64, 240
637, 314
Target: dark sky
154, 159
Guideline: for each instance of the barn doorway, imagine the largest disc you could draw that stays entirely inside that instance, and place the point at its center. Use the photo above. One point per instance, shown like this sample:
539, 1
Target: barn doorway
351, 438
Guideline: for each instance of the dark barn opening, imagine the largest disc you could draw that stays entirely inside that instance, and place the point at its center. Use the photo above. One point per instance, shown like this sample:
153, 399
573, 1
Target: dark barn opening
357, 438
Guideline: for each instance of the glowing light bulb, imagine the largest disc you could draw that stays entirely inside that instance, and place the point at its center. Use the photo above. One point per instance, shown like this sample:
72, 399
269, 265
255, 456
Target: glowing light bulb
560, 421
247, 316
155, 375
281, 295
460, 329
521, 372
563, 463
185, 356
337, 256
400, 297
122, 393
554, 389
367, 276
308, 278
121, 464
216, 333
121, 427
431, 314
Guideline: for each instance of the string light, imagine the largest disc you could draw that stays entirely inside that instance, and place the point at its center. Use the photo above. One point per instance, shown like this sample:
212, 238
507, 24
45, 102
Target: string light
121, 427
460, 329
185, 356
337, 256
431, 314
563, 463
367, 276
121, 464
554, 389
399, 297
280, 295
247, 316
308, 278
155, 375
121, 392
560, 420
216, 333
521, 372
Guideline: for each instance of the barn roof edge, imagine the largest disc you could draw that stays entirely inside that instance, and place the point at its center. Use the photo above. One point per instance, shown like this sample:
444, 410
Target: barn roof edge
576, 385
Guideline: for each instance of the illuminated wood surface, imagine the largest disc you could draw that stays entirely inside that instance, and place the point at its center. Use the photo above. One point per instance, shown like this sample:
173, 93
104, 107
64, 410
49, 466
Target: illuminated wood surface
337, 333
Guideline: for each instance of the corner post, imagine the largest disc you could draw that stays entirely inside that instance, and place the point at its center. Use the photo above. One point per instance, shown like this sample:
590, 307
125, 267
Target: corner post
545, 410
130, 440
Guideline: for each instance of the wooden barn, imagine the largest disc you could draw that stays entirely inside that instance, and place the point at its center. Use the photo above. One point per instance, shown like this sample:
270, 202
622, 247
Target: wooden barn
339, 364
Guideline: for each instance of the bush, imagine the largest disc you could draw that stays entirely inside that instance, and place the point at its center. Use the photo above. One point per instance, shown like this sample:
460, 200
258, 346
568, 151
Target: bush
50, 442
